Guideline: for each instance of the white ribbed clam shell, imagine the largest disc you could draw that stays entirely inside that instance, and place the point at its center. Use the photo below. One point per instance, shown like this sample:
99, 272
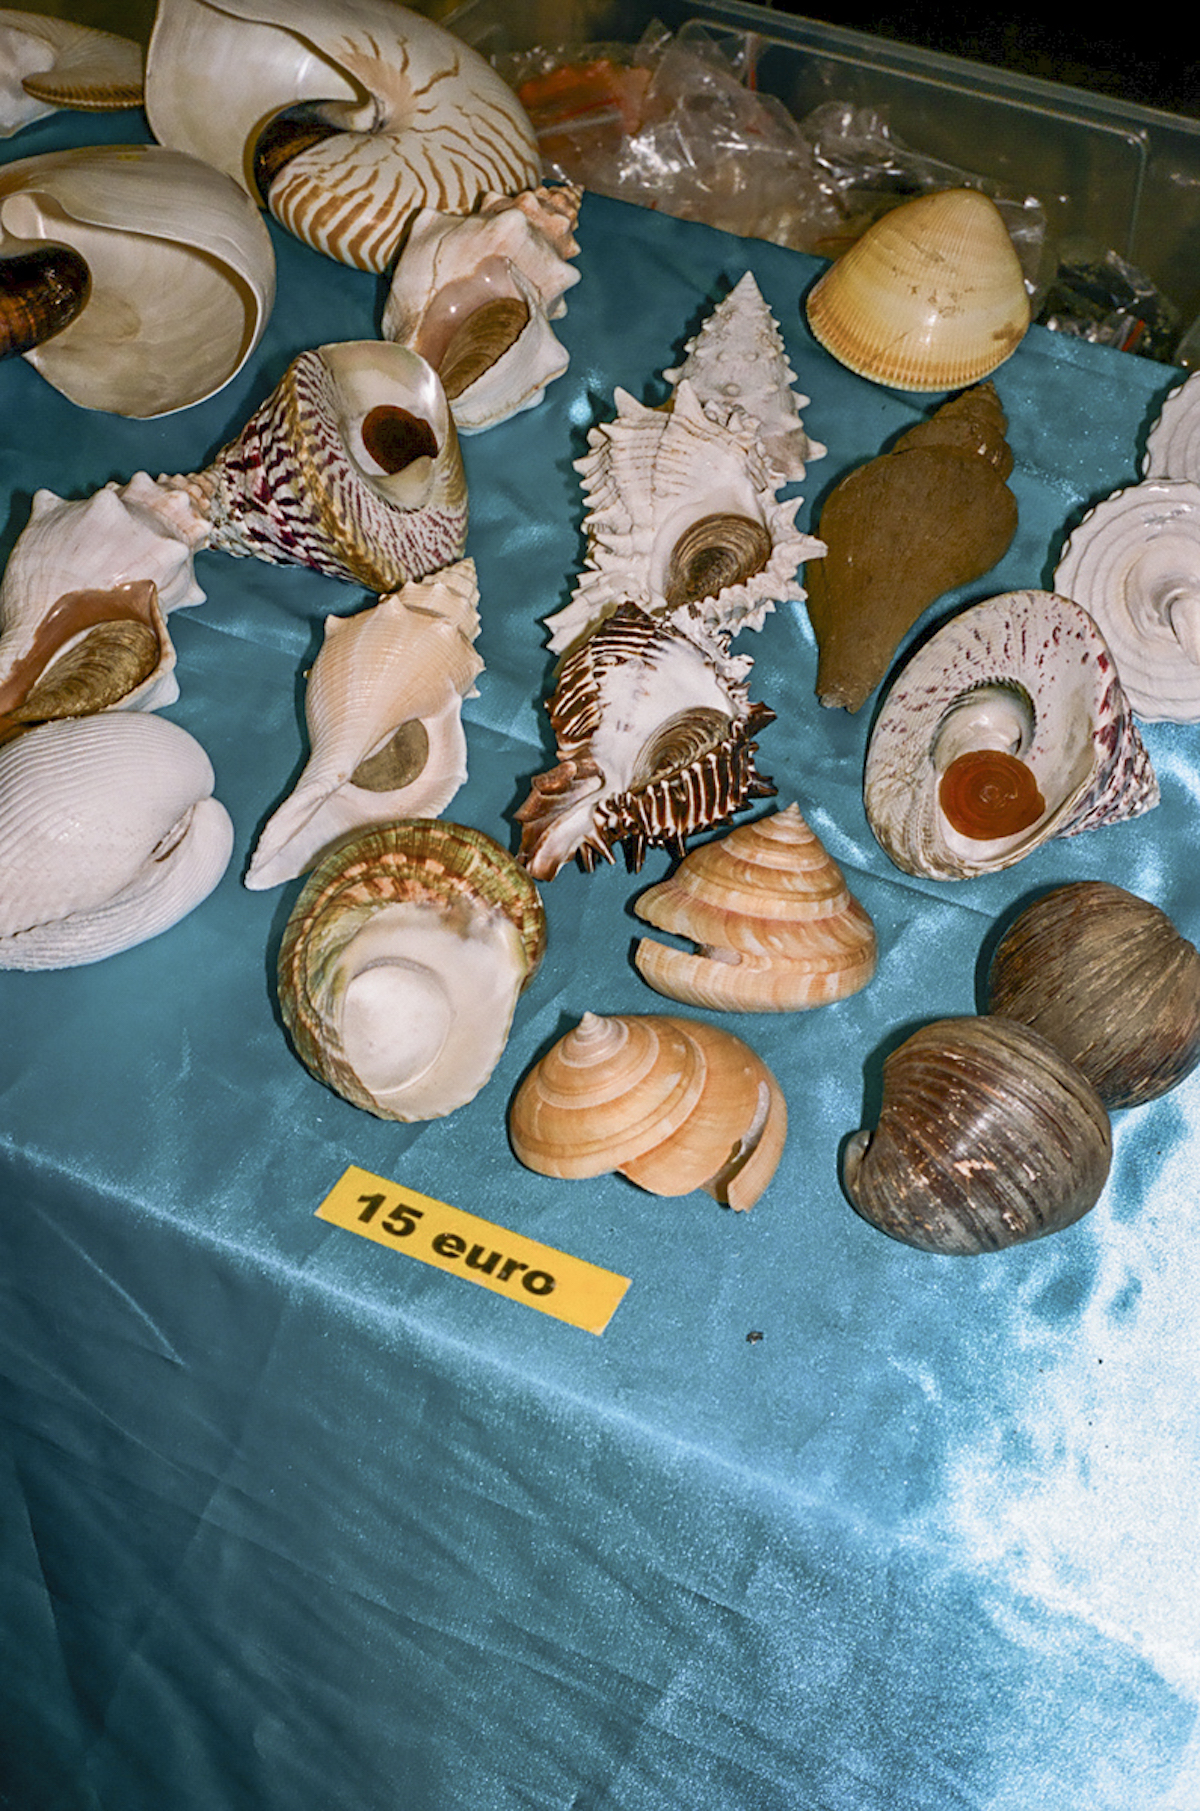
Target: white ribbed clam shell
47, 63
1173, 443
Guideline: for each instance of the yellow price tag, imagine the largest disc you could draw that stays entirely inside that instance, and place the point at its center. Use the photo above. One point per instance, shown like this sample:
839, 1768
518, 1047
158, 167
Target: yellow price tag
432, 1232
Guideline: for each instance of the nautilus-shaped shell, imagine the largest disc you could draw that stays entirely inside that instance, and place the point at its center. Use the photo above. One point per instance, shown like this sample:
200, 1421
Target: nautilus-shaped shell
352, 467
476, 295
1007, 727
384, 711
48, 63
109, 834
776, 928
931, 297
672, 1104
348, 120
135, 279
1134, 565
655, 735
402, 962
1173, 443
986, 1137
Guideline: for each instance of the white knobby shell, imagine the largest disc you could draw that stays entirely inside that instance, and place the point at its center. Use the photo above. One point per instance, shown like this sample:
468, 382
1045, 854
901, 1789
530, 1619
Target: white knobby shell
181, 265
416, 117
109, 834
49, 63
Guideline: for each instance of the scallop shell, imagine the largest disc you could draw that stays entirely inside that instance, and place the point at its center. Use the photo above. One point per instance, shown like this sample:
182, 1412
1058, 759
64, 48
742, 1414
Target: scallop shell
1173, 443
109, 835
737, 359
402, 962
384, 710
1133, 563
682, 509
986, 1137
371, 113
1028, 677
352, 467
931, 297
672, 1104
475, 295
655, 742
50, 63
179, 268
776, 927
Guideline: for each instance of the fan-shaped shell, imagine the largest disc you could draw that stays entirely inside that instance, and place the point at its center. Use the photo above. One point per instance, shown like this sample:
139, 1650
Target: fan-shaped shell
47, 63
109, 835
384, 706
931, 297
392, 114
1008, 727
401, 964
180, 267
1134, 565
776, 927
672, 1104
986, 1137
1173, 443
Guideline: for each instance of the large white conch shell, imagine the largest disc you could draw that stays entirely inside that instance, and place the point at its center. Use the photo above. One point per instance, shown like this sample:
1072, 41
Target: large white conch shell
178, 275
387, 113
49, 63
109, 834
384, 711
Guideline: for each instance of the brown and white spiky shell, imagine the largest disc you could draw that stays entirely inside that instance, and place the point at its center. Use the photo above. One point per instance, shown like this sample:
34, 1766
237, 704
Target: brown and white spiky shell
672, 1104
384, 713
655, 735
402, 962
681, 508
777, 928
1027, 675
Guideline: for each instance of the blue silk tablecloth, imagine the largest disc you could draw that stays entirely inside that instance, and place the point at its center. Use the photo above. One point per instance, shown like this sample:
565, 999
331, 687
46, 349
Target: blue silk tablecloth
290, 1520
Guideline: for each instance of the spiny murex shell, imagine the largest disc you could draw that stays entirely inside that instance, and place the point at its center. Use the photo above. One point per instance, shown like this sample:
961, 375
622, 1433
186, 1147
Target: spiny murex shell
776, 926
475, 295
1024, 685
48, 63
180, 267
351, 466
384, 712
672, 1104
1133, 563
349, 119
932, 296
402, 962
987, 1137
109, 834
655, 741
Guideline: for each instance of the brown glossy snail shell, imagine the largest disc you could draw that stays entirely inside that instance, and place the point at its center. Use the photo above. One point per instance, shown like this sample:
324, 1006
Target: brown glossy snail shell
1107, 978
987, 1137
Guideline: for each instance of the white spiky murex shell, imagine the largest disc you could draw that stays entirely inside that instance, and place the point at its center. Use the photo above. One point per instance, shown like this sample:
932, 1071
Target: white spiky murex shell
49, 63
349, 119
384, 712
655, 735
1012, 714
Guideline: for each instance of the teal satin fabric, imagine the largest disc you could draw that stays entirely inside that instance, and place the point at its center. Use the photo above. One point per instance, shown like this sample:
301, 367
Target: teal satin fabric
291, 1520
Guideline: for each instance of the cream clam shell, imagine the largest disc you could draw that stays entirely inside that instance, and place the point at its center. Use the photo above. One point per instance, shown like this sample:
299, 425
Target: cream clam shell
47, 63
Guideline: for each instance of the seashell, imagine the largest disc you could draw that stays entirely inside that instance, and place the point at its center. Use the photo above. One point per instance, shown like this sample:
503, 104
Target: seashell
49, 63
776, 927
475, 295
671, 1104
737, 359
152, 275
1109, 981
932, 513
402, 962
987, 1137
655, 742
348, 120
109, 835
1008, 727
352, 467
384, 711
1173, 443
1133, 563
682, 509
931, 297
